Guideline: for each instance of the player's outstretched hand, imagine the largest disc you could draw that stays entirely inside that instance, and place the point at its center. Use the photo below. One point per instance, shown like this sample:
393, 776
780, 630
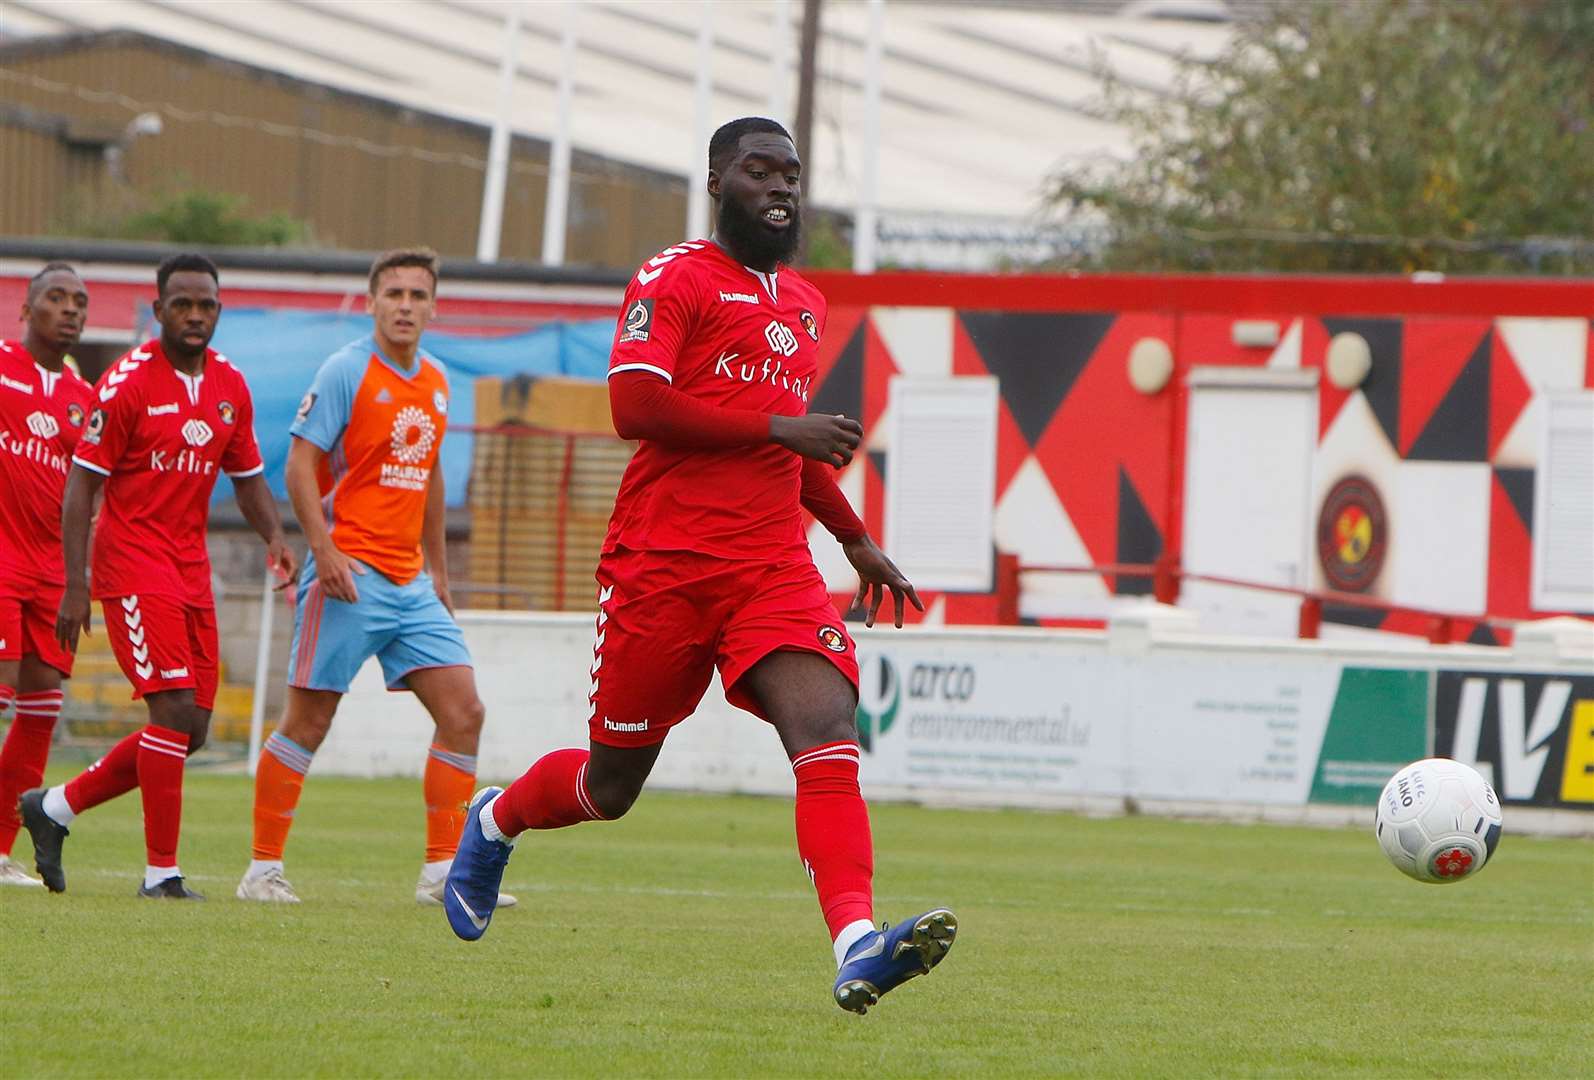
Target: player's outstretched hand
280, 560
830, 439
336, 571
876, 574
74, 616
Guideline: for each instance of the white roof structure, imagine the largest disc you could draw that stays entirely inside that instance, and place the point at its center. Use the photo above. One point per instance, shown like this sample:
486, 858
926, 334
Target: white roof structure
979, 101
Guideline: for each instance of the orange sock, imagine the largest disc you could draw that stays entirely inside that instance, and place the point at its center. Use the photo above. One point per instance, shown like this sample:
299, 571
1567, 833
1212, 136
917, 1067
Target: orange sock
447, 786
279, 778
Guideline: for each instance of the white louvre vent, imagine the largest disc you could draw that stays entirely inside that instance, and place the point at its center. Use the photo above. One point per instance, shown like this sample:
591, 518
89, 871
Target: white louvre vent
1563, 506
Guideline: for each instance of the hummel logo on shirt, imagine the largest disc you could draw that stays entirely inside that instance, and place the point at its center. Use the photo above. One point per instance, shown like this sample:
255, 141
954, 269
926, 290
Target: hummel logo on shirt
162, 410
738, 297
19, 387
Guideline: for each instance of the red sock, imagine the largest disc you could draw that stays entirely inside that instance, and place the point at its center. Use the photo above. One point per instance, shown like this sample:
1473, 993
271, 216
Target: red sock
161, 755
22, 759
551, 795
114, 774
833, 833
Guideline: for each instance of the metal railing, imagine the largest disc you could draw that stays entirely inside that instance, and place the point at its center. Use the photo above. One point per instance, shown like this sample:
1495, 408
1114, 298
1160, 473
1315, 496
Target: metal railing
1166, 578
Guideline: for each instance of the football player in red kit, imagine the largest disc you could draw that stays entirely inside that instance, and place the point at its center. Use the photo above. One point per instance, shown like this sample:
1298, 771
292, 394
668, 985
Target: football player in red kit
171, 416
44, 408
706, 564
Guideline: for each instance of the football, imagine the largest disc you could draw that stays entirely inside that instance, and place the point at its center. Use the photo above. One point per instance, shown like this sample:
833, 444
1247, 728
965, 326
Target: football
1438, 821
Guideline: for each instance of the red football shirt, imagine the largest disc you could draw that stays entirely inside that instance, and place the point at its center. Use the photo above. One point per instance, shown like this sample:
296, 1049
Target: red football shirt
42, 415
161, 438
737, 338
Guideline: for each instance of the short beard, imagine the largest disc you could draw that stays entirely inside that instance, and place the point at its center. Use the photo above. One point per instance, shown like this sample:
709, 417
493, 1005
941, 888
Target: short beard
176, 346
752, 241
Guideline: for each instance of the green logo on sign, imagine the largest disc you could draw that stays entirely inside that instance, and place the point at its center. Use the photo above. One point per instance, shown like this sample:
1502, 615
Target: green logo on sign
879, 697
1379, 721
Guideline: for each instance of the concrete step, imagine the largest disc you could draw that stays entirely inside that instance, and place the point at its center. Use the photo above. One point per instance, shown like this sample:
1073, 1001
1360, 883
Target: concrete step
103, 706
87, 667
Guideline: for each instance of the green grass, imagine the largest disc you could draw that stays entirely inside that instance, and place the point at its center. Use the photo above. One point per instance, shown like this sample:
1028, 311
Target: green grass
684, 941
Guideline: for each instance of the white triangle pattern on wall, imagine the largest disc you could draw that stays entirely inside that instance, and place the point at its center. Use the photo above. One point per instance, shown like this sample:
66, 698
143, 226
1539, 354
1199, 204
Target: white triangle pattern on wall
918, 339
1550, 353
828, 557
1031, 523
1287, 354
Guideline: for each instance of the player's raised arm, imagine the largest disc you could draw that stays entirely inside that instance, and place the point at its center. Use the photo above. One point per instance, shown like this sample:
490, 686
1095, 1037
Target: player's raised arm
77, 510
334, 570
241, 461
259, 508
876, 572
434, 535
823, 499
830, 440
644, 406
104, 440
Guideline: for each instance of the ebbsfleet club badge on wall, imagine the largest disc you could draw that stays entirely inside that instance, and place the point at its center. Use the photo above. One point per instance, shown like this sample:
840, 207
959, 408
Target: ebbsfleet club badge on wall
1352, 535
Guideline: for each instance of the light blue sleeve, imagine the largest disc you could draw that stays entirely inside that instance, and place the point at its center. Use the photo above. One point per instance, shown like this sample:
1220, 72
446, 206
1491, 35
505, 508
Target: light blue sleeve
324, 413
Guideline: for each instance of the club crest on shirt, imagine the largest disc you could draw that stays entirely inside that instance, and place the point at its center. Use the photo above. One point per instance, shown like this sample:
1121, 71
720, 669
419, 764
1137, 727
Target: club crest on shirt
227, 413
74, 414
638, 321
440, 402
810, 324
305, 405
91, 434
832, 639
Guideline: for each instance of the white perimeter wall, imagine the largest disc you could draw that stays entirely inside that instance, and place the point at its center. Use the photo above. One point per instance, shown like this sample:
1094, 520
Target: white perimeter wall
1148, 711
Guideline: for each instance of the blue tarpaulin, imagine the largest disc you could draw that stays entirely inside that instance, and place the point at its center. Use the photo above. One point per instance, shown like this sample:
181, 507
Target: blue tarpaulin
280, 351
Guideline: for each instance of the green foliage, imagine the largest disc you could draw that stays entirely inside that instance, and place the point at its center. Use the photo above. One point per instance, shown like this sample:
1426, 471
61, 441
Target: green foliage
684, 940
185, 215
828, 244
1380, 135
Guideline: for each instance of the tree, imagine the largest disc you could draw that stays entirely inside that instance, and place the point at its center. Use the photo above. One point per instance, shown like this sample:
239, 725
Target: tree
185, 216
1381, 135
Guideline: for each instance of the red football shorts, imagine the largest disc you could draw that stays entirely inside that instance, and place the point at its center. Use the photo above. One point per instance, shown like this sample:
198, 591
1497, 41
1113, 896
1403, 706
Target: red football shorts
666, 621
164, 644
27, 623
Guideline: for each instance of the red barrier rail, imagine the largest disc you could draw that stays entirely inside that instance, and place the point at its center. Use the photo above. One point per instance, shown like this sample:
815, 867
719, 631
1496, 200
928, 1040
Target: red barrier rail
1166, 579
538, 504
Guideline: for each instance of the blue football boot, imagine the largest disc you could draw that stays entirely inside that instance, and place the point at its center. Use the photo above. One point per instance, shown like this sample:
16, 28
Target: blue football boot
886, 959
471, 890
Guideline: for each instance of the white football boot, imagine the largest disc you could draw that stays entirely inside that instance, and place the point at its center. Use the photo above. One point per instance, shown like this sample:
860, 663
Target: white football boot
429, 888
269, 886
11, 873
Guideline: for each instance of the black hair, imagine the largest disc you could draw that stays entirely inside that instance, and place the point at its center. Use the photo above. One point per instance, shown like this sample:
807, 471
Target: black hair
44, 271
174, 264
725, 141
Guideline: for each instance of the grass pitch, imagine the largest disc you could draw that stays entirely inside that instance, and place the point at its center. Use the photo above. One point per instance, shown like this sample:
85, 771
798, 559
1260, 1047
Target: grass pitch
684, 941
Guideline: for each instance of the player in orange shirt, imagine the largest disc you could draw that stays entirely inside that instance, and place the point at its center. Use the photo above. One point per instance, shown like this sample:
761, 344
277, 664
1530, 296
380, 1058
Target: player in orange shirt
365, 482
